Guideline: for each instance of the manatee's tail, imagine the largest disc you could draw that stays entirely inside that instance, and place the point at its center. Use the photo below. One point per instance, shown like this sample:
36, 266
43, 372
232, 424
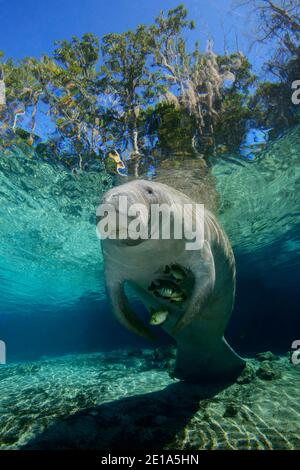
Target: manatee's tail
208, 361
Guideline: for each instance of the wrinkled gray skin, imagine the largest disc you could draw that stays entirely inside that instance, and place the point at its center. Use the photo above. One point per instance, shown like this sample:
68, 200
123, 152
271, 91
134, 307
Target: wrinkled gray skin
198, 324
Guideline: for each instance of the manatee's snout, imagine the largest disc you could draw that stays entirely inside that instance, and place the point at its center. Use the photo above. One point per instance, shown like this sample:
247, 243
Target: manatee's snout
109, 198
112, 197
125, 198
128, 209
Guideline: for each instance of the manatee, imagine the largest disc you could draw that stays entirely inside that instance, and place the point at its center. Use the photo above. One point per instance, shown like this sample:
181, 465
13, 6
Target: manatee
198, 322
192, 176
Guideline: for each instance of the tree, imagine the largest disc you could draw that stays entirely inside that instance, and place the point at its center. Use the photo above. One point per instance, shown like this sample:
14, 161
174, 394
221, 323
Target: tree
193, 80
234, 106
142, 91
23, 93
279, 24
130, 82
72, 90
279, 21
174, 129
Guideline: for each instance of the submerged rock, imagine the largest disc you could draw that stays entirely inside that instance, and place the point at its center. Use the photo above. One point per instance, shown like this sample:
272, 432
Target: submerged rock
134, 352
164, 353
28, 368
231, 411
248, 374
267, 371
267, 356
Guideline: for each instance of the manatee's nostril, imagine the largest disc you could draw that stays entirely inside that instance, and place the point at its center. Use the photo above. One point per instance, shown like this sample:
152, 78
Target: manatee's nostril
109, 198
114, 198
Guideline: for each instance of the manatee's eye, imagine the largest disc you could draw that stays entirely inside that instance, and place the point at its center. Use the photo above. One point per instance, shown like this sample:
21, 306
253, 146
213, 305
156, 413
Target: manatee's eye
149, 191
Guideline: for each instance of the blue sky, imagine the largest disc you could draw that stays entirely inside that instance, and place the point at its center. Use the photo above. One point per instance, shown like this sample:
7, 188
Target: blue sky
30, 27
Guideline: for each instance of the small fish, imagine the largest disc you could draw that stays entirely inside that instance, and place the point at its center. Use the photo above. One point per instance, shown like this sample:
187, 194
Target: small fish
158, 316
120, 167
114, 155
176, 271
114, 163
167, 290
222, 148
30, 140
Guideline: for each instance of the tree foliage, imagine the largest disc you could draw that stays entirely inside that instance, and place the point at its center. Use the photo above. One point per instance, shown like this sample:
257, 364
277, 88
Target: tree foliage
279, 25
143, 92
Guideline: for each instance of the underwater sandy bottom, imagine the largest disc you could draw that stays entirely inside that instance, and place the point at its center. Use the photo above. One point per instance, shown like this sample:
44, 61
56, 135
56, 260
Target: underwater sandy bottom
127, 399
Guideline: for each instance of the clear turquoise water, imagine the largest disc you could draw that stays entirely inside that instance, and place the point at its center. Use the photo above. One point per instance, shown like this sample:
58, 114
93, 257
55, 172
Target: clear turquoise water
53, 300
50, 261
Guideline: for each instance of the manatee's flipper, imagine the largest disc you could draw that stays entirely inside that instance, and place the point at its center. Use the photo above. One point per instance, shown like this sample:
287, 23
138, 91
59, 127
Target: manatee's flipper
207, 361
123, 311
204, 277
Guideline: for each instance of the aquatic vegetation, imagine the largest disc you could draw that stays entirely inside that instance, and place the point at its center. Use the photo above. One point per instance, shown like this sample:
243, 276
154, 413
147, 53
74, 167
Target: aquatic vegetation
176, 271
